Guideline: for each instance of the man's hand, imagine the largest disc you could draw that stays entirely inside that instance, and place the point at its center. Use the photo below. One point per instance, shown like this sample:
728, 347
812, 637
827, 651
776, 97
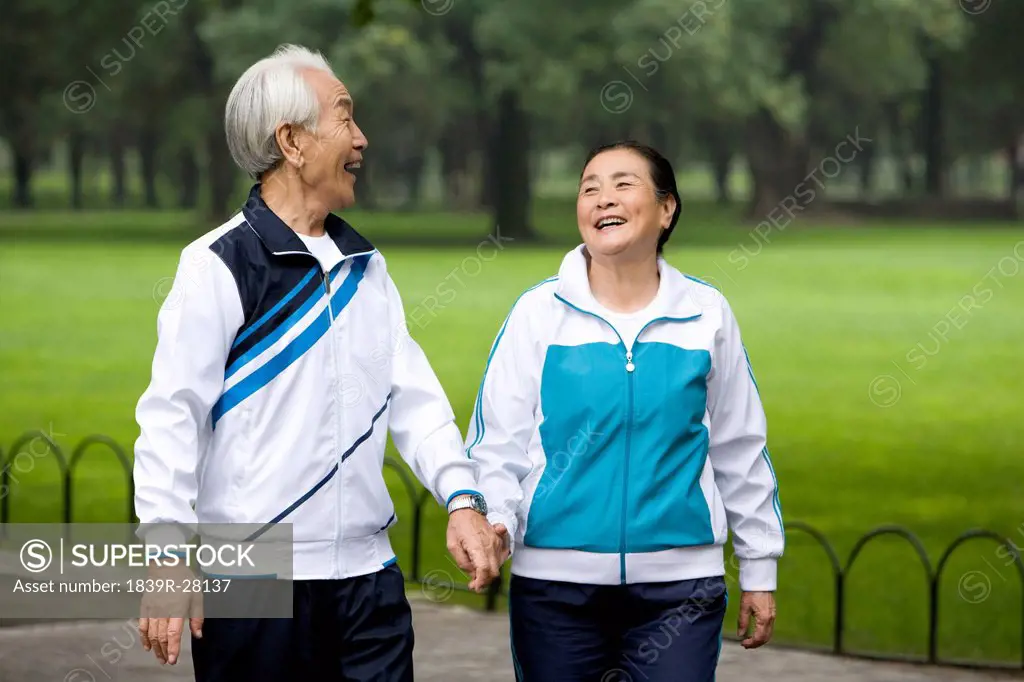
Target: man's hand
761, 607
164, 612
478, 548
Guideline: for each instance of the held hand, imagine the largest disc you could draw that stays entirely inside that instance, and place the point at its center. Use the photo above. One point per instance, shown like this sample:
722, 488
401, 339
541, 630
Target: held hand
164, 612
504, 541
761, 607
475, 546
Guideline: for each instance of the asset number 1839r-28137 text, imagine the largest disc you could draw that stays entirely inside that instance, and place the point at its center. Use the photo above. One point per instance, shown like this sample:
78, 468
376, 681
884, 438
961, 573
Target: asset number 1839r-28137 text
206, 585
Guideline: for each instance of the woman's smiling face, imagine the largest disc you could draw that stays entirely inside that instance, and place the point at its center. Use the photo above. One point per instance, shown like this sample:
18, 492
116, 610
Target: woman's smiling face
617, 210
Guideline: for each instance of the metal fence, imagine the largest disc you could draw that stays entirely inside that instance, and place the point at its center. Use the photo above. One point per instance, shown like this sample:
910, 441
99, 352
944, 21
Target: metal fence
418, 496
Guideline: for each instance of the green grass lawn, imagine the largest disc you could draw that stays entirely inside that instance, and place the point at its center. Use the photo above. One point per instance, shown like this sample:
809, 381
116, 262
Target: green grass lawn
823, 314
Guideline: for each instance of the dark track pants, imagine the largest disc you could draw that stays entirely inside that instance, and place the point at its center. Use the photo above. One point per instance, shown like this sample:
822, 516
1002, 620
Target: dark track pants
353, 630
650, 632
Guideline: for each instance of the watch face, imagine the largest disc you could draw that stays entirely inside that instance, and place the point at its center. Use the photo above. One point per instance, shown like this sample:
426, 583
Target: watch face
479, 504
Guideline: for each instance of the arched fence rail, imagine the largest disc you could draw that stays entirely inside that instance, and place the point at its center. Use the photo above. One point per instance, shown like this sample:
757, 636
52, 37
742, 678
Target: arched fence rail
418, 496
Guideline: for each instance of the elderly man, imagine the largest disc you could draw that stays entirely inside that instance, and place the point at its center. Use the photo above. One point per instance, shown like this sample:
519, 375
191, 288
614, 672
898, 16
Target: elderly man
282, 362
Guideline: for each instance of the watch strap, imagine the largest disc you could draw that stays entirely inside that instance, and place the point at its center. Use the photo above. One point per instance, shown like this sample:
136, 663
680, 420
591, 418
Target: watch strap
460, 502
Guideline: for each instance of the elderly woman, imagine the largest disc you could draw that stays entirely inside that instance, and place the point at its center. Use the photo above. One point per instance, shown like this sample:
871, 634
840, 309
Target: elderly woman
620, 435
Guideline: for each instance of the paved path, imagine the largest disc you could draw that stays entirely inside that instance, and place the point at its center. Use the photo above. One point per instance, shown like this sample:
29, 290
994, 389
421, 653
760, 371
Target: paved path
453, 644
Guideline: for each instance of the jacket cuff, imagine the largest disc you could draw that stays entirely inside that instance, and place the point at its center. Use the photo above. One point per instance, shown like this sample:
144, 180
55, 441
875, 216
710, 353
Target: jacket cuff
758, 575
454, 479
165, 535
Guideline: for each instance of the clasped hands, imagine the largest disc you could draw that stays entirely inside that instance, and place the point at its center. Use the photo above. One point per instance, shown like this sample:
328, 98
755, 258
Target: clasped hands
478, 548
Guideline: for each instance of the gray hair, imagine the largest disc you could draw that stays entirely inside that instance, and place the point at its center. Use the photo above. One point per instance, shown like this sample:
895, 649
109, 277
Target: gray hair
270, 92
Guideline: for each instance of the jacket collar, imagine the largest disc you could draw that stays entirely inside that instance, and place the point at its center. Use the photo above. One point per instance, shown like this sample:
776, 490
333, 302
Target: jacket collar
675, 297
282, 240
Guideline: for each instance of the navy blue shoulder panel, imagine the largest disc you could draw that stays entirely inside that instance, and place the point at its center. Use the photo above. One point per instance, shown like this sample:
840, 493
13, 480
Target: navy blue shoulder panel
278, 278
272, 288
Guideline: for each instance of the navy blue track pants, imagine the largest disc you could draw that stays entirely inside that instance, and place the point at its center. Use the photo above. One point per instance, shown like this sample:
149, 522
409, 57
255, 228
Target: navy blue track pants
647, 632
352, 630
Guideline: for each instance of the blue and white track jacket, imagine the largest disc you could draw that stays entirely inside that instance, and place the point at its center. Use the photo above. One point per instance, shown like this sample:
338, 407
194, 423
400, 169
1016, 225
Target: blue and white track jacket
610, 466
274, 386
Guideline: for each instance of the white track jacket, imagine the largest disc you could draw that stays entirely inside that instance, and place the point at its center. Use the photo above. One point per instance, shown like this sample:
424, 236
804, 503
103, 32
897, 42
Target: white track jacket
616, 466
274, 385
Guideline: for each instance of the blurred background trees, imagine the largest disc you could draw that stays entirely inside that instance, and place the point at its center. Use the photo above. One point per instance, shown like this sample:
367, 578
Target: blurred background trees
476, 105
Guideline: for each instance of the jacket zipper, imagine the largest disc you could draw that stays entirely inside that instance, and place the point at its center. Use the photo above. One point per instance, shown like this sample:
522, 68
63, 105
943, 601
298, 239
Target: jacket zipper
339, 520
629, 432
630, 369
337, 426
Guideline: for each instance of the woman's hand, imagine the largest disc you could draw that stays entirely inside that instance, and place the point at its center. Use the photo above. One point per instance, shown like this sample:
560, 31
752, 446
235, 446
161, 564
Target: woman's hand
759, 606
502, 533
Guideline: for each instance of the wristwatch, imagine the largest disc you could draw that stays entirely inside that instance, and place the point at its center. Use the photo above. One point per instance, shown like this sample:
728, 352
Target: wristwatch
474, 501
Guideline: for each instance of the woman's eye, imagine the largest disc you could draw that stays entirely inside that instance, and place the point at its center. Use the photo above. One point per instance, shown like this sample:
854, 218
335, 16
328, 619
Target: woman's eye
589, 190
622, 184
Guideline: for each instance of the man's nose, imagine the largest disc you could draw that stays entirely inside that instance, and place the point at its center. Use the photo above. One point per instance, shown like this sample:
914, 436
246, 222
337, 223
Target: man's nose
359, 141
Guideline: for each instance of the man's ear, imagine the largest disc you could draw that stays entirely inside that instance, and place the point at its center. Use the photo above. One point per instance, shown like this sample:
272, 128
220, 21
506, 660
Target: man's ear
288, 143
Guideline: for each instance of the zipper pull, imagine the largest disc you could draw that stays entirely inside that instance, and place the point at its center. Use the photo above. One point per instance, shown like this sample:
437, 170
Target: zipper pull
327, 282
629, 361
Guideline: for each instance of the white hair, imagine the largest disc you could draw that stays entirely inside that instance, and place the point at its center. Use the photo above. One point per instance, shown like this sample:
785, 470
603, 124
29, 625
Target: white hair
270, 92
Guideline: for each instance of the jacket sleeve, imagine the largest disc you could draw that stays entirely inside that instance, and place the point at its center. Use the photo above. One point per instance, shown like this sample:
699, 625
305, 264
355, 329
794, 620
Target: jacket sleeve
421, 420
499, 432
739, 456
196, 326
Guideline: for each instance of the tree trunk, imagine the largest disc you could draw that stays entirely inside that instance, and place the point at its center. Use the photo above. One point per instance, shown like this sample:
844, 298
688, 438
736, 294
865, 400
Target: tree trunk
1015, 159
220, 170
221, 173
22, 178
902, 145
866, 160
716, 138
933, 131
117, 167
148, 143
510, 169
188, 178
76, 157
778, 166
721, 165
456, 153
477, 143
412, 177
489, 180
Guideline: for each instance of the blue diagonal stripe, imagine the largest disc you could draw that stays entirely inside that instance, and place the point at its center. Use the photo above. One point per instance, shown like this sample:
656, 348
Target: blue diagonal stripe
359, 441
334, 470
273, 367
294, 505
282, 329
294, 350
347, 289
390, 519
273, 311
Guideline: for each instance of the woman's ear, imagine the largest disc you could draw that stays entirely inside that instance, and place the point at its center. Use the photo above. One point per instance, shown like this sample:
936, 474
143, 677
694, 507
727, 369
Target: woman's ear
668, 209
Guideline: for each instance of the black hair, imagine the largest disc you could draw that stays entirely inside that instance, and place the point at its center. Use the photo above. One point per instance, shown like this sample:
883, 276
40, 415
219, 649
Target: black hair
662, 174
